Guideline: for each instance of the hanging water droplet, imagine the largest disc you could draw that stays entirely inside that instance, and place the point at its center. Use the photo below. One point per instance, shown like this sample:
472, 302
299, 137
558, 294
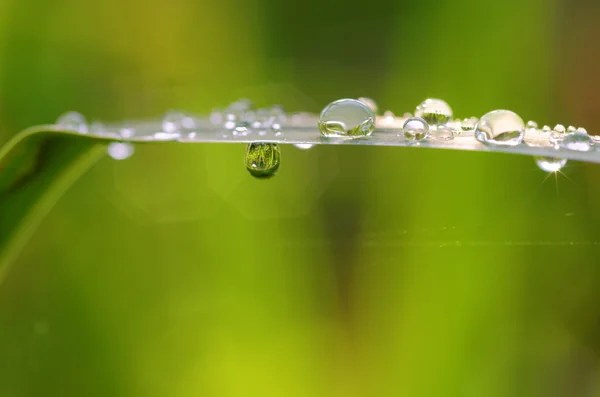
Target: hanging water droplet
443, 133
550, 164
571, 129
346, 118
500, 127
532, 125
262, 159
415, 129
73, 121
577, 141
120, 150
304, 146
370, 103
434, 111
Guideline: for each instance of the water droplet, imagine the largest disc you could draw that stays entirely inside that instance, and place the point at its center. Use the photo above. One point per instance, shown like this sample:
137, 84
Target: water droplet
577, 141
434, 111
304, 146
560, 129
500, 127
388, 118
546, 129
581, 129
571, 129
97, 127
172, 122
346, 118
120, 150
550, 164
242, 128
370, 103
73, 121
467, 126
532, 125
443, 133
127, 132
262, 159
415, 129
216, 117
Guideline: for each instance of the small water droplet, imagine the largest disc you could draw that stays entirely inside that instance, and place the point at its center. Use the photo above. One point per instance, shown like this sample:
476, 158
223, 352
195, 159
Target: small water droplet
97, 127
443, 133
415, 129
434, 111
127, 132
73, 121
581, 129
546, 129
304, 146
388, 118
571, 129
262, 159
370, 103
120, 150
559, 128
577, 141
172, 122
500, 127
242, 128
216, 117
550, 164
467, 126
532, 125
346, 118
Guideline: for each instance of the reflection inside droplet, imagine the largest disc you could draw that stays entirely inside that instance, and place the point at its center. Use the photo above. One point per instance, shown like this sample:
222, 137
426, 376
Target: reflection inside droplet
262, 159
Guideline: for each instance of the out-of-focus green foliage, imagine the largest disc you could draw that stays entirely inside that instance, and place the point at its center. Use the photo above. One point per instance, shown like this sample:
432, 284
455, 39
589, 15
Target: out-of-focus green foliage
355, 271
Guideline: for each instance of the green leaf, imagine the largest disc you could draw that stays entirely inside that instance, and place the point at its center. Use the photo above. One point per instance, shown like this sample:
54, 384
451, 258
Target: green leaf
36, 167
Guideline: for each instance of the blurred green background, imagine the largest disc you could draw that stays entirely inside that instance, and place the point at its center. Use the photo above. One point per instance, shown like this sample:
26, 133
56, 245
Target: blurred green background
356, 271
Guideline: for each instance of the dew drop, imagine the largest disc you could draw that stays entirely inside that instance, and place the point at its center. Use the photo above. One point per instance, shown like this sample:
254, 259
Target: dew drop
120, 150
415, 129
304, 146
434, 111
242, 128
216, 117
500, 127
546, 129
532, 125
571, 129
560, 129
581, 129
172, 122
443, 133
577, 141
370, 103
262, 159
73, 121
550, 164
346, 118
467, 126
388, 118
127, 132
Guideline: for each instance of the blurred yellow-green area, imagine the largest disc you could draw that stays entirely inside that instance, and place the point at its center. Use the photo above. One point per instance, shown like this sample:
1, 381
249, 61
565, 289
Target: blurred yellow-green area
356, 271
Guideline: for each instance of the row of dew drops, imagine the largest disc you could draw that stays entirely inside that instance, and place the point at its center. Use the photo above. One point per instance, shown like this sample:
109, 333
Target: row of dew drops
349, 119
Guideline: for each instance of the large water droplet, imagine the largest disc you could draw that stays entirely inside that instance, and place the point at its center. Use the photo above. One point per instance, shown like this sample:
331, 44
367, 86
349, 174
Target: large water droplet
120, 150
577, 141
550, 164
500, 127
73, 121
415, 129
434, 111
346, 118
262, 159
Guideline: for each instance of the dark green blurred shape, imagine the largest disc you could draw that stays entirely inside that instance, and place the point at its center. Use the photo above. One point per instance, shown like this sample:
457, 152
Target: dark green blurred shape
386, 271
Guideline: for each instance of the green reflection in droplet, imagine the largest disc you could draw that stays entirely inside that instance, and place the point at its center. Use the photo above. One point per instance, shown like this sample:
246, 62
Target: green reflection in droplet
262, 159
